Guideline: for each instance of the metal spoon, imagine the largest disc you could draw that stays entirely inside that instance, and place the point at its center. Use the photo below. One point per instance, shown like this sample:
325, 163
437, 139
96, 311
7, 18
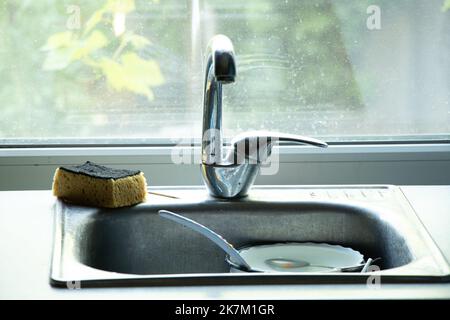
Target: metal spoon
284, 264
208, 233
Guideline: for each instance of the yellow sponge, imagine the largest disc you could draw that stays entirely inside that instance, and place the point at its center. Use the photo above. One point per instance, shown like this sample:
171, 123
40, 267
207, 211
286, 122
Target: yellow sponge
100, 186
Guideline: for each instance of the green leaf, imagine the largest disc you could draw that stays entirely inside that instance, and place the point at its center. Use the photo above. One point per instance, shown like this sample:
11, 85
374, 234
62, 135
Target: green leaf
64, 49
143, 71
133, 74
95, 41
113, 73
59, 40
446, 6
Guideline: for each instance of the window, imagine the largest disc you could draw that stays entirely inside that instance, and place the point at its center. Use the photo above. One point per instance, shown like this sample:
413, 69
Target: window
130, 71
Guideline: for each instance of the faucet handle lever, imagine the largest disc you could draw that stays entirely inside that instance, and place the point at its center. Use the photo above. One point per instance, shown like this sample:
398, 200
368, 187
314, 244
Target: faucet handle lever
257, 145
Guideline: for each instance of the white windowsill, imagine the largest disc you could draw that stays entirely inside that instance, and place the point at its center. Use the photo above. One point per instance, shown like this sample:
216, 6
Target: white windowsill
379, 151
424, 164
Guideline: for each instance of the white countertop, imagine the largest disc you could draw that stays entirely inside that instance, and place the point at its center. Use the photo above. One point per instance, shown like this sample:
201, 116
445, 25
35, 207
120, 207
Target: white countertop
26, 231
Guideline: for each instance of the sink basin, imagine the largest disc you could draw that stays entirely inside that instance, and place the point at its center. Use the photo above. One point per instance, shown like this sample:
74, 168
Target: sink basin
134, 246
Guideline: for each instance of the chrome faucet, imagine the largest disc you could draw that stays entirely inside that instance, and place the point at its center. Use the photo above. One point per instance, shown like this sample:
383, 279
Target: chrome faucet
229, 172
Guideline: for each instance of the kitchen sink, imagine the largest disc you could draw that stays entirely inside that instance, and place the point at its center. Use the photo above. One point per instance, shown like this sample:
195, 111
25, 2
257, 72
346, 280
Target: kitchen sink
134, 246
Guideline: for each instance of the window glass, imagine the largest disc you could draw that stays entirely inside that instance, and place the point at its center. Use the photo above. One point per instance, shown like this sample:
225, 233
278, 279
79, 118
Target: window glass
131, 71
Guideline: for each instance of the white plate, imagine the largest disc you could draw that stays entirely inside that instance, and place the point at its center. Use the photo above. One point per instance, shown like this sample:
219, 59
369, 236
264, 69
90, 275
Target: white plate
300, 257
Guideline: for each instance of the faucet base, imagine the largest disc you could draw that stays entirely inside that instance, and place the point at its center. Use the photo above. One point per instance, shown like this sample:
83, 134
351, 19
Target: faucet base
229, 181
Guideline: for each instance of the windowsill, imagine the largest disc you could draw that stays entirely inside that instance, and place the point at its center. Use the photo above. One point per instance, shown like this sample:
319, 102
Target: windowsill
406, 164
370, 152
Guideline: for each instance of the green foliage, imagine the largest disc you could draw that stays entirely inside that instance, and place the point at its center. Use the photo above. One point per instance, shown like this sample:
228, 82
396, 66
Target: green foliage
446, 6
121, 66
132, 73
65, 47
294, 58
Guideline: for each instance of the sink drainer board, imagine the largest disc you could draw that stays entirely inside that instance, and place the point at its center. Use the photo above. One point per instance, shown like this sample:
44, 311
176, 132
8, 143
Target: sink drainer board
135, 247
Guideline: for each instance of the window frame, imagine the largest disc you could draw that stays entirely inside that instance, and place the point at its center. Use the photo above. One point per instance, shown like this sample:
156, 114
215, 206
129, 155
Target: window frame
32, 167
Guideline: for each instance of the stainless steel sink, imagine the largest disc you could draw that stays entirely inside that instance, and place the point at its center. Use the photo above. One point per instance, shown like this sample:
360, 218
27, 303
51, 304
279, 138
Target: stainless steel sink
134, 246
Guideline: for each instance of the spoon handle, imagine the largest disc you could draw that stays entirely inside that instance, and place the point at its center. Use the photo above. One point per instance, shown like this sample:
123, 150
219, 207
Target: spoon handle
208, 233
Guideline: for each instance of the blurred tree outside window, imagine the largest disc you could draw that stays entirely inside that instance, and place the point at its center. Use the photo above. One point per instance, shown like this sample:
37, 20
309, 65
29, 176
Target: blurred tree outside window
131, 71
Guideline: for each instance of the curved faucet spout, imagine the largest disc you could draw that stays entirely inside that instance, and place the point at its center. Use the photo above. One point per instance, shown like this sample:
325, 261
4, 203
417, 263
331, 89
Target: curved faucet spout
220, 69
231, 175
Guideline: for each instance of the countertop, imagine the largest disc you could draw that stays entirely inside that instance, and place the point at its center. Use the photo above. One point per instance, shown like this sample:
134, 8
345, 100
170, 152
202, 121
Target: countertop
26, 233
